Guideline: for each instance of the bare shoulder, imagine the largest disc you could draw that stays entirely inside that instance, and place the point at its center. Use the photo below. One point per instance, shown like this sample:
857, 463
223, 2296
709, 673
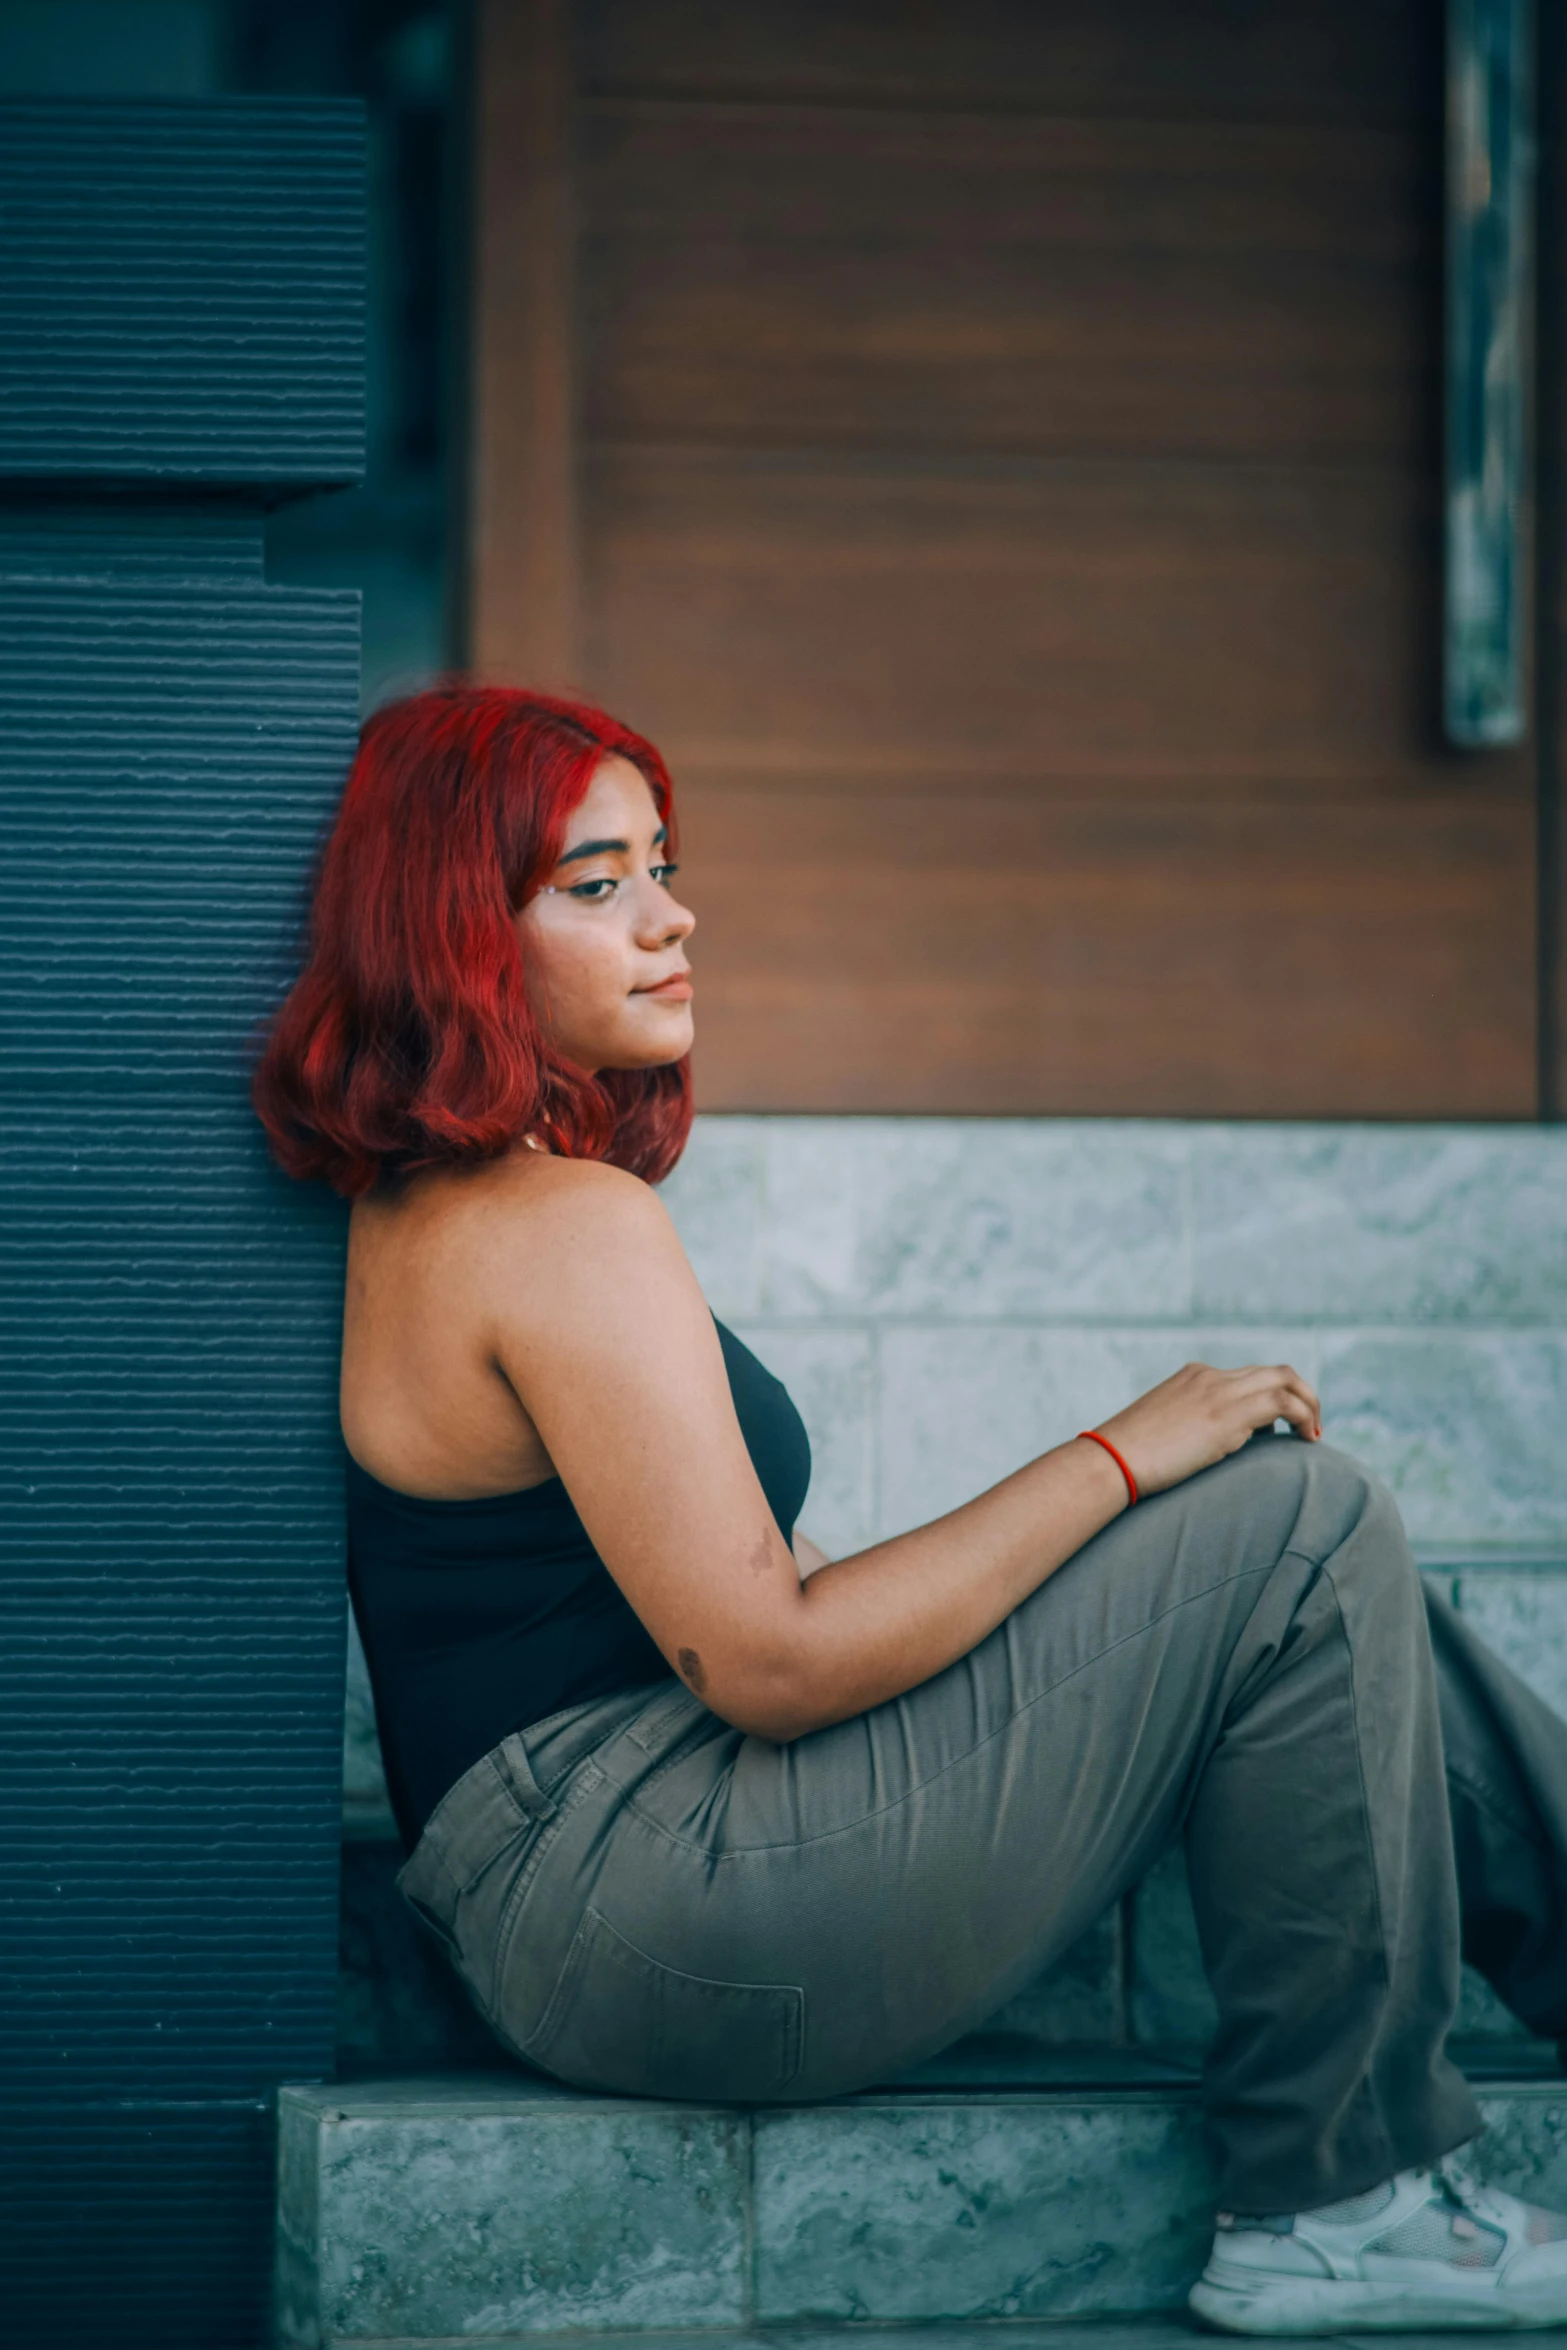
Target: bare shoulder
547, 1241
527, 1212
529, 1201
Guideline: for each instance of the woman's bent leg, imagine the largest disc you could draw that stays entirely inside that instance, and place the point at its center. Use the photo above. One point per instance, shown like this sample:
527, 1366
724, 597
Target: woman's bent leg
705, 1914
1320, 1856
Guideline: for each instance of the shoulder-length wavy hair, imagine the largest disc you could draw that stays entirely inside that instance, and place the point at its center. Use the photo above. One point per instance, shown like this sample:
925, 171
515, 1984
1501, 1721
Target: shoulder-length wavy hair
408, 1040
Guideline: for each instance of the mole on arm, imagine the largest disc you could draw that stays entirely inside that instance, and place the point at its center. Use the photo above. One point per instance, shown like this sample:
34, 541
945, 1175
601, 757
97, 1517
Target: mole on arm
761, 1559
691, 1670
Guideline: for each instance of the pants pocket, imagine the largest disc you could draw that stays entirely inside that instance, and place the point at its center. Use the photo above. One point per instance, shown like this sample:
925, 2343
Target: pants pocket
622, 2021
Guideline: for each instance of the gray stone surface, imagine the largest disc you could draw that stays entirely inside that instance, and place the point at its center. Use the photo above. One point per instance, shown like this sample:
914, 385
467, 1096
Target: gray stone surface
996, 1218
1127, 1219
1466, 1428
716, 1197
964, 1404
991, 2207
1143, 2333
477, 2210
297, 2241
1380, 1224
830, 1373
1524, 1618
444, 2210
1525, 2144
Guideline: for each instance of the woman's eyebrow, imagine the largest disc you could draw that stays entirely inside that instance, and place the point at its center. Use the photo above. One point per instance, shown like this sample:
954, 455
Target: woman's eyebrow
606, 848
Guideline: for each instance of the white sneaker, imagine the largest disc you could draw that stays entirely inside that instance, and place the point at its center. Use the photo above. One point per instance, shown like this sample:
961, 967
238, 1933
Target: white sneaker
1429, 2250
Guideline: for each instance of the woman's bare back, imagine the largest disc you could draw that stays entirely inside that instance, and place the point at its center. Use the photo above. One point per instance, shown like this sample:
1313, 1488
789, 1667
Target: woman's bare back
424, 1402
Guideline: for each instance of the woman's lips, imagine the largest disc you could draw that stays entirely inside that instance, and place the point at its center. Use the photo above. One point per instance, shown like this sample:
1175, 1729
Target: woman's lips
673, 991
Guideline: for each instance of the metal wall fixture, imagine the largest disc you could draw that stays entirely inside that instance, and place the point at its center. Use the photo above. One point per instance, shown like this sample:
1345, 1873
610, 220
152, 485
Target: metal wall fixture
1490, 261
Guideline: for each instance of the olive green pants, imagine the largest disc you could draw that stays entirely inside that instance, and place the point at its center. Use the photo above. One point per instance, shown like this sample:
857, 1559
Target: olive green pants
644, 1900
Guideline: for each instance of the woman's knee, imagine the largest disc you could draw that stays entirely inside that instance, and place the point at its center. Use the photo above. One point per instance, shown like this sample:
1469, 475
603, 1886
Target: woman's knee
1314, 1500
1354, 1522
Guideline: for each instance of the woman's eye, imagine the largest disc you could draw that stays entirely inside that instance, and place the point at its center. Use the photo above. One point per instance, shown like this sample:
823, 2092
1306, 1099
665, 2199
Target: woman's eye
664, 874
602, 886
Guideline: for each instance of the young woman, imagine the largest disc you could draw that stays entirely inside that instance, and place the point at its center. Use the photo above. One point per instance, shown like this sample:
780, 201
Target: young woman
700, 1815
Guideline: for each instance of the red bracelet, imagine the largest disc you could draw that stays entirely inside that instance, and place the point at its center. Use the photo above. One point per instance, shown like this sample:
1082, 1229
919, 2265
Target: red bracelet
1093, 1436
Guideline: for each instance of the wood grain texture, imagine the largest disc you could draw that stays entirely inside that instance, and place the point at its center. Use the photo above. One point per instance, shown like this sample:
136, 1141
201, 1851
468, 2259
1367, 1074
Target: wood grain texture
522, 598
1286, 61
1132, 624
793, 276
1550, 649
856, 952
1008, 457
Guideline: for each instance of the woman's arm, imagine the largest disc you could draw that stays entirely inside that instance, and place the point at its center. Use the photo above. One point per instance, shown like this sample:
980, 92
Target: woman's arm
597, 1321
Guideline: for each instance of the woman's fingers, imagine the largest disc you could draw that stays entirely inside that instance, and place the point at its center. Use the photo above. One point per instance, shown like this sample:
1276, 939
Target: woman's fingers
1276, 1391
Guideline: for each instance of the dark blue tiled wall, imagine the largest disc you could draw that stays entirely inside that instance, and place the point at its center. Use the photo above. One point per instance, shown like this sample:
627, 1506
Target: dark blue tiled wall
182, 294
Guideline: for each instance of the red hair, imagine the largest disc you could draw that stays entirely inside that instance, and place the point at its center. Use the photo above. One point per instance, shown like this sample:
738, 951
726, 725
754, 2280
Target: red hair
408, 1040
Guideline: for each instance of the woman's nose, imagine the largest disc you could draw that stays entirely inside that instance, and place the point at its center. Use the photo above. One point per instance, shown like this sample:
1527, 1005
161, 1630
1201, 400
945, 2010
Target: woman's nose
664, 917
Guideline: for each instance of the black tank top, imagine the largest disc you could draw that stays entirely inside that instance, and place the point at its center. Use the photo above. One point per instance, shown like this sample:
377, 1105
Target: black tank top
479, 1617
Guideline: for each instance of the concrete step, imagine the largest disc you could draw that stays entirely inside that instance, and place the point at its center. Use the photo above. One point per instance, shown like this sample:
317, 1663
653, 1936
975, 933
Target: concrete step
1149, 2333
483, 2208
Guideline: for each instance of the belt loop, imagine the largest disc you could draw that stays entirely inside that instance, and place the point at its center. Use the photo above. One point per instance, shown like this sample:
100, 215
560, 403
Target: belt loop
512, 1759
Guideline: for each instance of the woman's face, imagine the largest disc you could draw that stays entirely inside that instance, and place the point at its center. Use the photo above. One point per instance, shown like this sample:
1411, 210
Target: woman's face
603, 940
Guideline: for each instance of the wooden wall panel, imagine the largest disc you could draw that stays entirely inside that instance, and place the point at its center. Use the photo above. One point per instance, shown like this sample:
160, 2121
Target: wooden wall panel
986, 952
1200, 626
1269, 61
1550, 410
1004, 471
797, 276
521, 593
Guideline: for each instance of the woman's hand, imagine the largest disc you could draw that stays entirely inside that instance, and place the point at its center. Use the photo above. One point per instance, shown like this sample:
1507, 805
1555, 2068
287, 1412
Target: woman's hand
1202, 1415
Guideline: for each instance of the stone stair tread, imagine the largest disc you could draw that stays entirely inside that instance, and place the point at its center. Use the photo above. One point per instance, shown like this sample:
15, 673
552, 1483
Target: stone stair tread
488, 2208
1135, 2333
1111, 2076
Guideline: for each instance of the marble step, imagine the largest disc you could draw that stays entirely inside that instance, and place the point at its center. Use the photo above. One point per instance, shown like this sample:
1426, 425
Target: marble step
482, 2208
1147, 2333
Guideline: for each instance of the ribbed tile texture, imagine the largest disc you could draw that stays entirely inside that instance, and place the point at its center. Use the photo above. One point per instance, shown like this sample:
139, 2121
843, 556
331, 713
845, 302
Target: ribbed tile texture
182, 304
140, 2227
165, 773
166, 1749
168, 1329
183, 292
199, 537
